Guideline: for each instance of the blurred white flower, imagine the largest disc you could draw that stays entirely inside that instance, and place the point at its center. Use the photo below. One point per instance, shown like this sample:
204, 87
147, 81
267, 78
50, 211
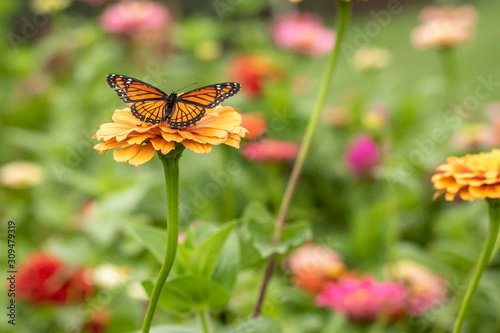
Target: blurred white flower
21, 174
444, 27
110, 276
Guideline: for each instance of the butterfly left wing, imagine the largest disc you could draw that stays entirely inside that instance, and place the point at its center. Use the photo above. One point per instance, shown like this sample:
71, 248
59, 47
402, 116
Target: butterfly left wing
210, 96
132, 90
152, 112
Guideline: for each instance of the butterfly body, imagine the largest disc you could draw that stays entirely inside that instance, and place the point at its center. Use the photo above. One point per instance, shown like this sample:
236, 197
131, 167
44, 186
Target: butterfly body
151, 105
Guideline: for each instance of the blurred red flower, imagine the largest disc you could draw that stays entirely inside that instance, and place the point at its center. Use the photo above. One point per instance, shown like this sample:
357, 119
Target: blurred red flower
303, 33
44, 279
253, 71
270, 150
255, 123
132, 17
364, 299
97, 321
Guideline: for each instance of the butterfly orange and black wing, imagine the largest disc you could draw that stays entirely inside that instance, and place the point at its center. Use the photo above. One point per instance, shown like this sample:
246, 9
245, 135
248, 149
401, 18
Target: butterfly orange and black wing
148, 103
190, 107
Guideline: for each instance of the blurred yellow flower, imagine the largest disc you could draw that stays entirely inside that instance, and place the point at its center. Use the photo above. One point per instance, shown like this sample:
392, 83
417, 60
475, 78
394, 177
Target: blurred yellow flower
138, 141
370, 58
20, 175
49, 6
474, 176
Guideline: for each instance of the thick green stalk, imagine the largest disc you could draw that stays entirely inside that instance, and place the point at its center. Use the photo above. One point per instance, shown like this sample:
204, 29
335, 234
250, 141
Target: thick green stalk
171, 169
204, 319
494, 210
344, 11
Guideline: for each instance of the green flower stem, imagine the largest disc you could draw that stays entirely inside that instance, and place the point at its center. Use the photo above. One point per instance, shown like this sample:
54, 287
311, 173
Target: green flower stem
344, 11
450, 71
494, 210
171, 169
204, 319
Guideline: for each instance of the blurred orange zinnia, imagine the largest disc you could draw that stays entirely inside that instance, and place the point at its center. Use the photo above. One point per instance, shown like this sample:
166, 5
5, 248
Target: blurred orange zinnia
138, 141
474, 176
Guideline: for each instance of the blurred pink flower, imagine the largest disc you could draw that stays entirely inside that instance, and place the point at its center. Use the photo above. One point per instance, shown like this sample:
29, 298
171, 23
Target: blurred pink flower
444, 27
131, 17
269, 150
475, 136
362, 155
425, 289
364, 299
337, 116
313, 266
376, 117
303, 33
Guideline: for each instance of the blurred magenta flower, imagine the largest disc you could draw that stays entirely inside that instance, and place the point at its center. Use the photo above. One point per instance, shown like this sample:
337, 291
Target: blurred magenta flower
313, 266
303, 33
270, 150
253, 71
425, 290
131, 17
255, 123
444, 27
45, 279
364, 299
362, 155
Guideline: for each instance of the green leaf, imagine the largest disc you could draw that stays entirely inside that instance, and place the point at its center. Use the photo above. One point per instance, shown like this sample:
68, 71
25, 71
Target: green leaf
259, 228
205, 256
152, 238
258, 325
188, 294
228, 265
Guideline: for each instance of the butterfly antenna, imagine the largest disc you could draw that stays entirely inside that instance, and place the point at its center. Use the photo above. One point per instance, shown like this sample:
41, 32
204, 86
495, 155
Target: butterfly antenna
168, 85
189, 85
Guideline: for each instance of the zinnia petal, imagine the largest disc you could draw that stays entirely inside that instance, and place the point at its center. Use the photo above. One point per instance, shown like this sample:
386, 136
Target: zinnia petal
473, 176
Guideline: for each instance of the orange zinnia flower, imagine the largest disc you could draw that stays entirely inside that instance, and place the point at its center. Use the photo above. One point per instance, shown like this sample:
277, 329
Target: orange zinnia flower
474, 176
138, 141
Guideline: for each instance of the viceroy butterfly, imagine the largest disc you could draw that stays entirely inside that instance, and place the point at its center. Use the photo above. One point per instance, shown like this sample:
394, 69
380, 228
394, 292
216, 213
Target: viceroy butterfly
151, 105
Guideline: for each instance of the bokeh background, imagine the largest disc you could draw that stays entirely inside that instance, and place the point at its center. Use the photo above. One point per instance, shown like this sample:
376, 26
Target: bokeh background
392, 116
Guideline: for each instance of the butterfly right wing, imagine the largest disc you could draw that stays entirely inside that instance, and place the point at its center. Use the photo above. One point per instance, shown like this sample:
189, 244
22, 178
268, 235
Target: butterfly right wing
185, 114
